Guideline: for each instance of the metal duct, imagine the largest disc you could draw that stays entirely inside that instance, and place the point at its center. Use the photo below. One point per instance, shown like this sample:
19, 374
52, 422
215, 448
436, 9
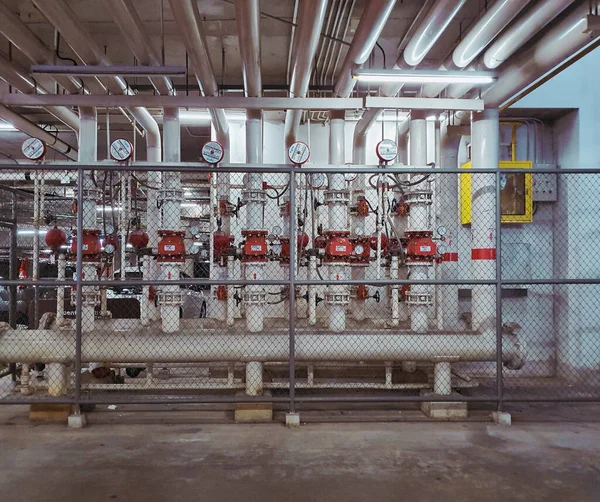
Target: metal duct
29, 44
188, 19
20, 80
369, 28
34, 131
560, 42
126, 18
310, 23
435, 23
247, 15
62, 17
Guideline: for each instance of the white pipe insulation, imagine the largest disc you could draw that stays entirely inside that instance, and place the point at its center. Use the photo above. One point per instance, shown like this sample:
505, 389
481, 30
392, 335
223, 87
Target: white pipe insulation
485, 153
196, 346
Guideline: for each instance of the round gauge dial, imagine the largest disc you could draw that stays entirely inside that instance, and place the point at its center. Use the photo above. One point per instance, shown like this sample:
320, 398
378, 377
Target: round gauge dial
109, 230
317, 180
33, 148
359, 231
441, 249
194, 230
194, 249
386, 150
121, 150
359, 249
441, 230
212, 152
109, 248
298, 153
349, 177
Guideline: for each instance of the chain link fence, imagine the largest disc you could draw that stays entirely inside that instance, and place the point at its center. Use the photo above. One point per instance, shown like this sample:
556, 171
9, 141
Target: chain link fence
125, 284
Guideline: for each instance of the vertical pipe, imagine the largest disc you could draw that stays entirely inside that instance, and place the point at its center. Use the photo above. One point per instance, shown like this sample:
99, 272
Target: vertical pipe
292, 291
57, 379
442, 378
485, 147
14, 267
312, 292
79, 292
36, 247
499, 376
60, 293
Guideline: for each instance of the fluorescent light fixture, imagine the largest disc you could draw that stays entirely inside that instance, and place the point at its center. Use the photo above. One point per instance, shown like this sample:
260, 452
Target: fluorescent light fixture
195, 116
116, 70
5, 126
107, 209
425, 76
189, 204
30, 231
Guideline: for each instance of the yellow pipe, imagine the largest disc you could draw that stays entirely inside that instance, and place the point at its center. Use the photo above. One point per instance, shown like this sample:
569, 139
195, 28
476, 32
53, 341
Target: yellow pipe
513, 139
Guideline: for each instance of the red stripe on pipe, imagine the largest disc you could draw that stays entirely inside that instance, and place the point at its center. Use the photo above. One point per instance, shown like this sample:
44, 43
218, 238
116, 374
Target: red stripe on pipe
450, 257
483, 254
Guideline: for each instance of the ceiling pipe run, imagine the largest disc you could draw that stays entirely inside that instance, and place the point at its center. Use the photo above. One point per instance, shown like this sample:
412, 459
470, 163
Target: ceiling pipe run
491, 23
24, 125
17, 32
125, 16
369, 28
559, 43
247, 15
190, 26
62, 17
310, 23
429, 31
20, 80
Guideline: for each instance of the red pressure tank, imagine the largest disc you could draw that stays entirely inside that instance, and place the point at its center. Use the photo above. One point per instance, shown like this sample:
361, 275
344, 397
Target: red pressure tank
320, 242
138, 238
339, 247
384, 242
221, 242
55, 238
301, 244
91, 247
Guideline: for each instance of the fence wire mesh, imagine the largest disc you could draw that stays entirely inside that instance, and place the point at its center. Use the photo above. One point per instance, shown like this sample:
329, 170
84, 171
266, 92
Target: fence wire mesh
291, 286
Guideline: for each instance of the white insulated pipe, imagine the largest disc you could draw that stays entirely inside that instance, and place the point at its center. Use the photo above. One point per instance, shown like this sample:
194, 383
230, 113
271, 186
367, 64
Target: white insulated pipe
442, 378
485, 153
312, 291
60, 291
51, 346
247, 15
558, 44
369, 28
311, 14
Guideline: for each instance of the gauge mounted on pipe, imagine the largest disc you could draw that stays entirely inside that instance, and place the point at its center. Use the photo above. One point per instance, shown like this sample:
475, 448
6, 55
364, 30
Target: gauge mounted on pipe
317, 180
349, 177
298, 153
121, 150
109, 249
213, 152
386, 150
33, 148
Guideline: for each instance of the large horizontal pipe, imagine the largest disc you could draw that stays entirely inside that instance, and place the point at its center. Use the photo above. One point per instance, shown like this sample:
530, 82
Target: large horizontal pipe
50, 346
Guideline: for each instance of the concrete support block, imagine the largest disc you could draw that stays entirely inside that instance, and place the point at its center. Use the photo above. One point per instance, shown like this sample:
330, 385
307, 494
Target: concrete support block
444, 410
502, 418
48, 412
77, 421
252, 412
292, 420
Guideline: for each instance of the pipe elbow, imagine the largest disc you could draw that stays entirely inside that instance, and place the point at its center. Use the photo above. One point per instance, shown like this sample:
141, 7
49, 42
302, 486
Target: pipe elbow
514, 350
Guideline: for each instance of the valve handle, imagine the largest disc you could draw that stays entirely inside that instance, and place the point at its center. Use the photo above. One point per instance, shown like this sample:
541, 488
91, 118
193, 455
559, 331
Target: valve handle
318, 300
377, 296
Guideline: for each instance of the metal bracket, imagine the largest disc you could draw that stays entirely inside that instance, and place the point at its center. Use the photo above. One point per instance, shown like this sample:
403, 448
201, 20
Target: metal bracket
254, 196
419, 298
337, 298
170, 299
337, 196
255, 298
422, 196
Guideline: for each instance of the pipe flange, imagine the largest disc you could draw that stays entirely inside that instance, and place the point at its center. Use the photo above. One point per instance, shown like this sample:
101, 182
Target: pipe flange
337, 298
170, 299
255, 196
419, 298
337, 197
90, 299
419, 197
91, 193
255, 298
170, 194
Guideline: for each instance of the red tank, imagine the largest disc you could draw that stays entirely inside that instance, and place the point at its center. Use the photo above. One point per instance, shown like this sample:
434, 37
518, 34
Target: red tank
138, 238
55, 238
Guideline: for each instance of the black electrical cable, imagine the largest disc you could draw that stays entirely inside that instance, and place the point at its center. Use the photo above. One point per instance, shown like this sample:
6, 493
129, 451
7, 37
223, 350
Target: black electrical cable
144, 184
382, 53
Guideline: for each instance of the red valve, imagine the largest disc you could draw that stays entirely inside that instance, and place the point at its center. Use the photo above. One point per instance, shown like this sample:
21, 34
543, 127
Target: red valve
255, 246
362, 292
90, 246
223, 207
320, 242
301, 243
151, 293
384, 242
221, 242
139, 239
339, 247
55, 238
402, 209
171, 248
362, 207
421, 248
403, 291
221, 293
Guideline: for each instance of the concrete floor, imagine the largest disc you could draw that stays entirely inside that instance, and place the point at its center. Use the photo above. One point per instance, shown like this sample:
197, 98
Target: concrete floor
351, 462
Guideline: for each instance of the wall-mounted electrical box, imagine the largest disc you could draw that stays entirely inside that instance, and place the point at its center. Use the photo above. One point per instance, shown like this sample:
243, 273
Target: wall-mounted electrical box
516, 193
545, 185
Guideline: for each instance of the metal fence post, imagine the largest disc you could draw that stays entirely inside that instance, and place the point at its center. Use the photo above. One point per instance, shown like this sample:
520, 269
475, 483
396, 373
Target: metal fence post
79, 281
292, 290
499, 382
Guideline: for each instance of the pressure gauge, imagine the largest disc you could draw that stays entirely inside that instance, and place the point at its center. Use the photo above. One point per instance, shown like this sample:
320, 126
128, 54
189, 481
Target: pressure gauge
441, 230
441, 249
298, 153
276, 230
359, 249
349, 177
203, 238
109, 230
121, 150
194, 230
212, 152
33, 148
317, 180
194, 249
359, 231
109, 248
386, 150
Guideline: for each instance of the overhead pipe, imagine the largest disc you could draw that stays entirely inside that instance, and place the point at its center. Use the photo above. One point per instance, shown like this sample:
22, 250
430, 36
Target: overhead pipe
62, 17
310, 23
19, 34
560, 42
197, 346
489, 25
369, 28
429, 31
20, 80
34, 131
125, 16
